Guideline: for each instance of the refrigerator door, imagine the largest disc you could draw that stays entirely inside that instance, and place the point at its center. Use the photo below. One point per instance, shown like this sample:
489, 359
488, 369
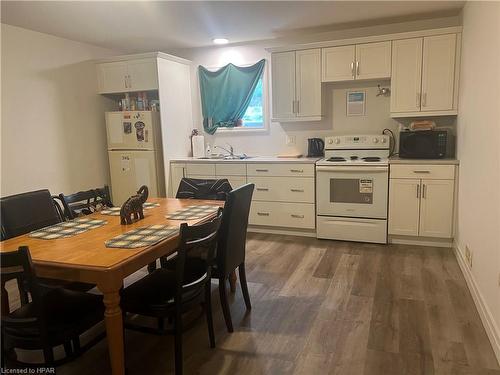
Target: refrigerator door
129, 171
130, 130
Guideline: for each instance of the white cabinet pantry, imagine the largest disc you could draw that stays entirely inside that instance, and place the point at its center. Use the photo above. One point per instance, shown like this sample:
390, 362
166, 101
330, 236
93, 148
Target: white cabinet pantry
127, 76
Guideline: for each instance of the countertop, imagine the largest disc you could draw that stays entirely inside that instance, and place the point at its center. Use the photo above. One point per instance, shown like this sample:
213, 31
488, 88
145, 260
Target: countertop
445, 161
256, 159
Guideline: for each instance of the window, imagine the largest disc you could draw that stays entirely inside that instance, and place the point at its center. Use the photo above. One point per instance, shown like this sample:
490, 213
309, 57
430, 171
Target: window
254, 116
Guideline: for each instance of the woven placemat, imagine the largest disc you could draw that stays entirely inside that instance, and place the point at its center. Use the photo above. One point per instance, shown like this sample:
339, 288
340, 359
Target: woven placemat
115, 211
144, 236
67, 228
192, 212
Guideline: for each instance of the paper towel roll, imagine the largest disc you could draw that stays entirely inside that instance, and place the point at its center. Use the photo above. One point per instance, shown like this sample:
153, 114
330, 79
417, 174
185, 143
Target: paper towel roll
198, 142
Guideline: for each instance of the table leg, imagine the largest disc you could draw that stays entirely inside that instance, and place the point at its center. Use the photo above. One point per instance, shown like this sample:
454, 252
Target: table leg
114, 331
232, 281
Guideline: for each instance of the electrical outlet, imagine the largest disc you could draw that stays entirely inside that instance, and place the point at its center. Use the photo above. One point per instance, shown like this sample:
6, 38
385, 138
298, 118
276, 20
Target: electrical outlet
468, 255
291, 140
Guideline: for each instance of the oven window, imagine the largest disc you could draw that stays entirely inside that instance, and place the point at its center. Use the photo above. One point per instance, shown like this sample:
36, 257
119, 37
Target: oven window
351, 190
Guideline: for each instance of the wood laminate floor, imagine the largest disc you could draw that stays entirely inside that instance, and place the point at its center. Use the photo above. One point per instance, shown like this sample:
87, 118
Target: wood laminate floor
328, 307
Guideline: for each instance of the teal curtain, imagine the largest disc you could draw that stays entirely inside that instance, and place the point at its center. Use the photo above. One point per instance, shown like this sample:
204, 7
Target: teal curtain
226, 94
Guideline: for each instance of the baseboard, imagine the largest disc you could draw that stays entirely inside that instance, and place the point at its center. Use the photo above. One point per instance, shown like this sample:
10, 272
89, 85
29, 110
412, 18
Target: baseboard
420, 241
492, 330
279, 230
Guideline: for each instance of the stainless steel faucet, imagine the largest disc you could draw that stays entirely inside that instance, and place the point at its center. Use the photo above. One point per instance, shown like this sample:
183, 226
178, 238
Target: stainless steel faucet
230, 151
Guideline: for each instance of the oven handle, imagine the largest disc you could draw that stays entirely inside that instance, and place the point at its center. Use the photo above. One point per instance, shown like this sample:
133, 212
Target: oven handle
352, 169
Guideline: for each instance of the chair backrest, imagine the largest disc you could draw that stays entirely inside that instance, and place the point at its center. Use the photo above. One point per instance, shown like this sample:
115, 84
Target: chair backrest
85, 202
17, 265
26, 212
195, 188
233, 231
195, 238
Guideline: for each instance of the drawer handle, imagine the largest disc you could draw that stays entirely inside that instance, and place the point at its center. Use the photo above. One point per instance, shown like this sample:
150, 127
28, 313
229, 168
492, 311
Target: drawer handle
297, 190
262, 189
297, 170
297, 216
263, 213
421, 171
262, 170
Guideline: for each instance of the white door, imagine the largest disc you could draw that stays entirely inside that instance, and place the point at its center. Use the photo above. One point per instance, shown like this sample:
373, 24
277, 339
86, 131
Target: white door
406, 75
404, 206
130, 130
338, 63
130, 170
112, 77
436, 208
438, 72
283, 82
373, 60
308, 82
142, 75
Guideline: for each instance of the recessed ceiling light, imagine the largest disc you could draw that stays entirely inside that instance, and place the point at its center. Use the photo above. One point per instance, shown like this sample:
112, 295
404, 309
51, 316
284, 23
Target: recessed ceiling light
220, 41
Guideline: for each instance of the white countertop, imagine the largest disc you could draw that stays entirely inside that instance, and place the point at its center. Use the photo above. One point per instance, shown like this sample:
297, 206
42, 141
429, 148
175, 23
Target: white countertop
256, 159
445, 161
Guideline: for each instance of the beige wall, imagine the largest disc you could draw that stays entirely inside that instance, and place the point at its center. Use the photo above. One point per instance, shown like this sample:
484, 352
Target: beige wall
479, 152
52, 130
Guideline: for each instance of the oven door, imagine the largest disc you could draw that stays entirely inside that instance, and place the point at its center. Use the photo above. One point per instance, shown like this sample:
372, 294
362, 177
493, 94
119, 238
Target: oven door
352, 191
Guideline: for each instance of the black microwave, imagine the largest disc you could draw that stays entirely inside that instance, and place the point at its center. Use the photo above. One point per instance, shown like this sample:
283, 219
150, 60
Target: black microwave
424, 144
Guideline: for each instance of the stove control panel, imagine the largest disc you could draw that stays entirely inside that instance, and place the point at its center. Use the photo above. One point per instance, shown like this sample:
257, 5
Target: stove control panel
374, 141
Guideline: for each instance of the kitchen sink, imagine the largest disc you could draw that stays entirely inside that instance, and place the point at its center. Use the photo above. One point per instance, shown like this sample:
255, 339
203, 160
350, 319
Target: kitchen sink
228, 157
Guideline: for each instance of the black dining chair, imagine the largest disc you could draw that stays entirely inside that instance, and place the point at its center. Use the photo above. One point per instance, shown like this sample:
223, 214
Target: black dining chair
85, 202
167, 293
196, 188
231, 246
53, 317
27, 212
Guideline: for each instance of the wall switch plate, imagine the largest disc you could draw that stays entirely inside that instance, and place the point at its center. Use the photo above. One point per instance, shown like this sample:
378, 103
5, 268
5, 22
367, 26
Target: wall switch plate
291, 140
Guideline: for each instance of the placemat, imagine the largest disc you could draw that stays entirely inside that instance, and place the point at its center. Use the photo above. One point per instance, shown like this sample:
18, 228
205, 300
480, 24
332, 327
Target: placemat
115, 211
192, 212
144, 236
67, 228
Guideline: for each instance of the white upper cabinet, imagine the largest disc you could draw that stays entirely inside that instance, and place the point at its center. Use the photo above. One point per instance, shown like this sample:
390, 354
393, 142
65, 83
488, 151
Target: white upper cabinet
308, 83
127, 76
296, 83
406, 75
283, 76
373, 60
338, 63
438, 72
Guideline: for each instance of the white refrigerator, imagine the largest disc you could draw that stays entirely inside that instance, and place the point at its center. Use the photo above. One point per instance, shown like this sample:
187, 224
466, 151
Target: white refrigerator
135, 154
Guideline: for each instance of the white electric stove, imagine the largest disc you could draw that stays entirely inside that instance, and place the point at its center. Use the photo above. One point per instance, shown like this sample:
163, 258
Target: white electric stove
352, 184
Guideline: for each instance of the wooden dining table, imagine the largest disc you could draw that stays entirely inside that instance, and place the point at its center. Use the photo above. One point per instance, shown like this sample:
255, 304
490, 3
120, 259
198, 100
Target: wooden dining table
85, 258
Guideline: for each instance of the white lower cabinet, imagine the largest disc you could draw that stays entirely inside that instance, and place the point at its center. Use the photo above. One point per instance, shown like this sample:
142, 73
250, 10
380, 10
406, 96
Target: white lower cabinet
280, 214
421, 206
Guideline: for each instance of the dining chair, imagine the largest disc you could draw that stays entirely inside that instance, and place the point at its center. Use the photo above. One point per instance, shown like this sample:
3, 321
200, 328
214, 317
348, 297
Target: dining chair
53, 317
85, 202
167, 293
231, 246
26, 212
196, 188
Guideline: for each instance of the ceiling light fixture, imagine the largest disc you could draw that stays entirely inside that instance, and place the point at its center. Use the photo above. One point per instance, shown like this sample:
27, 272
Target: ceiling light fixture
220, 41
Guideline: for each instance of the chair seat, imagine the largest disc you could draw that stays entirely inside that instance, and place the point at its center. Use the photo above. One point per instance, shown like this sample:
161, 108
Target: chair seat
154, 293
68, 313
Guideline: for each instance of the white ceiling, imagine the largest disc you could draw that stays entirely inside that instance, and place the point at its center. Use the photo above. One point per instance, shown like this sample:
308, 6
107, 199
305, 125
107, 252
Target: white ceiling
138, 26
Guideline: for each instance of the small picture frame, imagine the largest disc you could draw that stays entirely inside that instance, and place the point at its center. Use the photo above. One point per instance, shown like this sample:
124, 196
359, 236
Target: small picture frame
356, 103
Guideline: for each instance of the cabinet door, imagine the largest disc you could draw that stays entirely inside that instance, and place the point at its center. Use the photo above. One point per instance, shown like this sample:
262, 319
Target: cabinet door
373, 60
338, 63
436, 208
406, 75
142, 75
283, 82
404, 206
176, 175
308, 82
112, 77
438, 72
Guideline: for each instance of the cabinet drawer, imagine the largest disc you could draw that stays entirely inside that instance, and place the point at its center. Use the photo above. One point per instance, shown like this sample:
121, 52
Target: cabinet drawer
283, 189
235, 181
282, 169
441, 172
200, 169
291, 215
230, 169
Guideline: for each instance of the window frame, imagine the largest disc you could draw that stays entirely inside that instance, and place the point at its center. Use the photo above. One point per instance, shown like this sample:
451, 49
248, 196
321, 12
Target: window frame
265, 105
